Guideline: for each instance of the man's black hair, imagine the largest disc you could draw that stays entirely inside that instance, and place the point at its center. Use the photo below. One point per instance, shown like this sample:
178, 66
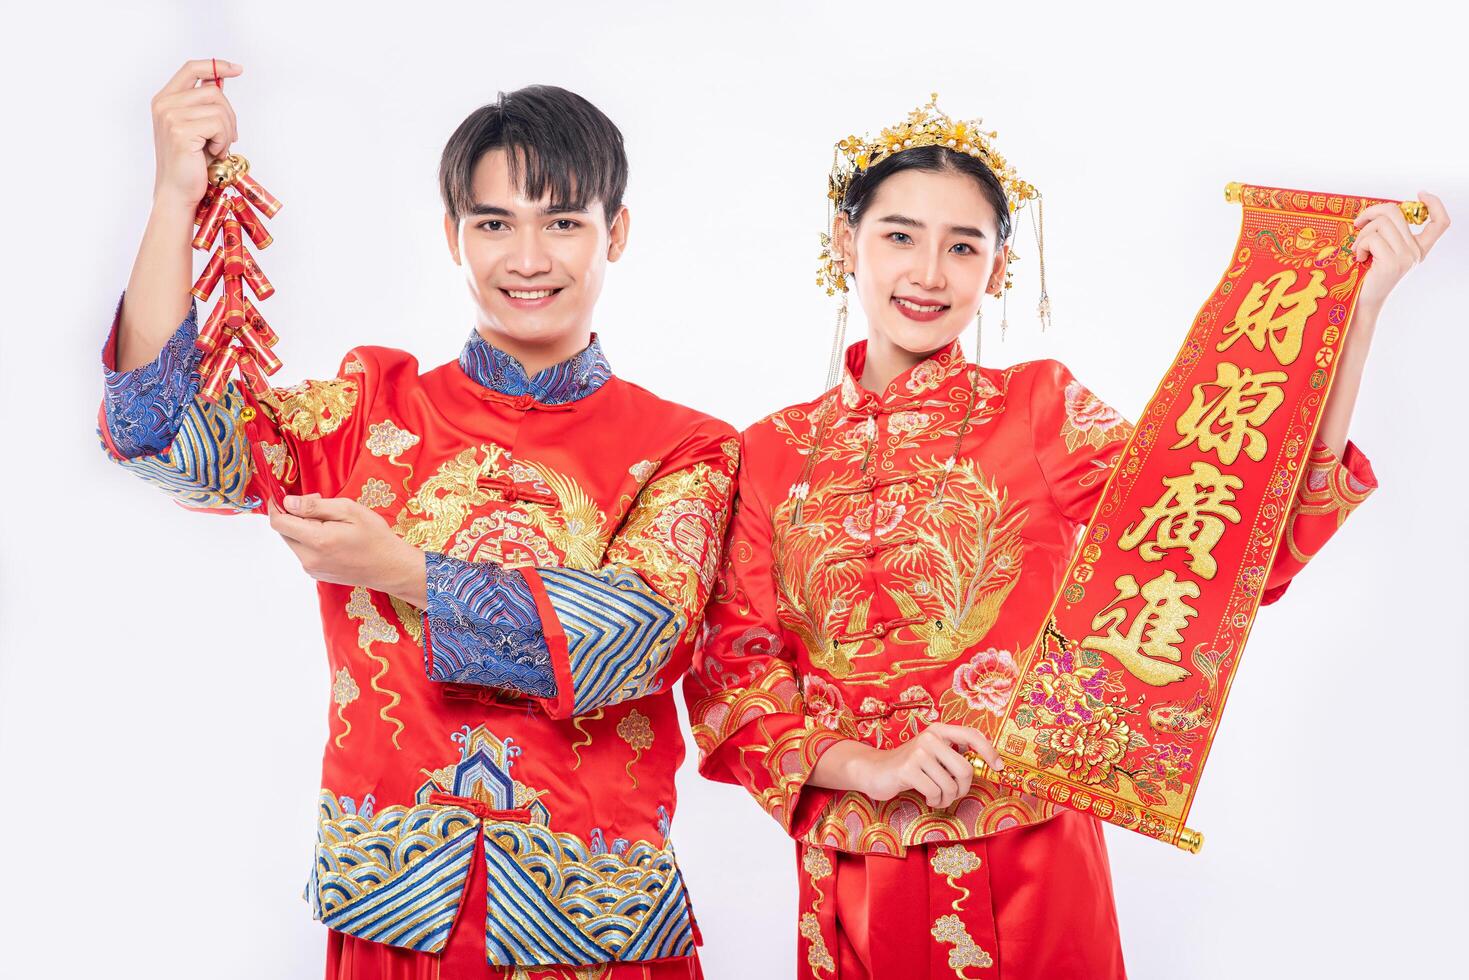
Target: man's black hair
555, 141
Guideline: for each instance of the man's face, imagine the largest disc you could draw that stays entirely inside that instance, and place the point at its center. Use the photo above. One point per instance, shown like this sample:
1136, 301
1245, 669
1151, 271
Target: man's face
535, 272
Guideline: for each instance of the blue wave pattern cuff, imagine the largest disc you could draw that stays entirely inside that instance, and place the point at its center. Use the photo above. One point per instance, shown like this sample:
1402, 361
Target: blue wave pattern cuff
483, 628
145, 407
619, 633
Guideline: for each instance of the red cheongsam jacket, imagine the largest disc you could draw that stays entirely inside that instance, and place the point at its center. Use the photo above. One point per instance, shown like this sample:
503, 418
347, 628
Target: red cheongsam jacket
914, 578
572, 523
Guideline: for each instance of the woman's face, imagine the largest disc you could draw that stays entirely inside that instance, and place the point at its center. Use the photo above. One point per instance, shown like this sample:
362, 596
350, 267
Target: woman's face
924, 254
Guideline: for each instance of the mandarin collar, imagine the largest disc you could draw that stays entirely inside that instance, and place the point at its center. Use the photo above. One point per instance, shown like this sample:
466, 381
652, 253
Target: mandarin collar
574, 378
937, 369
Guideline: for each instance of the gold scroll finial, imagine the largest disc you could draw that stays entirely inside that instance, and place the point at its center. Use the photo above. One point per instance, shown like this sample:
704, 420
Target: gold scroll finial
1416, 212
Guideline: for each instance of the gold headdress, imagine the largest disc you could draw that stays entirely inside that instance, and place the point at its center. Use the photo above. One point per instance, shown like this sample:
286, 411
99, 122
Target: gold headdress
925, 126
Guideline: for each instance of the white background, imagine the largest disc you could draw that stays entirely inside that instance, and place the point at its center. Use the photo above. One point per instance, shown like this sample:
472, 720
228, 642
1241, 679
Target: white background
162, 689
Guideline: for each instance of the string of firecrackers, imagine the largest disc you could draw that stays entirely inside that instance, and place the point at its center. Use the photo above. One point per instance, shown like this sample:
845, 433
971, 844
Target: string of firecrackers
235, 336
1154, 702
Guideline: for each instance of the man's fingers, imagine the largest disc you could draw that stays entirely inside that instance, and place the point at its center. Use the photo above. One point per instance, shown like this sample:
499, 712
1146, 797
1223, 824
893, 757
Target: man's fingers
201, 69
320, 508
295, 528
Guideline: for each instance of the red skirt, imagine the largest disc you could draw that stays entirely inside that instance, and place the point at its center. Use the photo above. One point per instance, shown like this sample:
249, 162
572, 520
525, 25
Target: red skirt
1034, 903
463, 955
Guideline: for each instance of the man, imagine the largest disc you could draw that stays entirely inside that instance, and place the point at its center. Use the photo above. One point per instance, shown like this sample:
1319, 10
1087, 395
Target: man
512, 553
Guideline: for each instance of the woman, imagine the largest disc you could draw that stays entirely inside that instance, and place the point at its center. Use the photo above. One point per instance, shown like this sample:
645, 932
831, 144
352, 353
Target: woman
896, 545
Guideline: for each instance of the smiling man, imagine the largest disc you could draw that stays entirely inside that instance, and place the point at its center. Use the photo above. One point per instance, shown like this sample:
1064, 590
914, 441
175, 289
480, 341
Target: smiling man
512, 553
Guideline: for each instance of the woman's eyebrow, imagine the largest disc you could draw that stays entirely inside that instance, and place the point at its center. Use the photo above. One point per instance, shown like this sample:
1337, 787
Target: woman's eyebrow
907, 222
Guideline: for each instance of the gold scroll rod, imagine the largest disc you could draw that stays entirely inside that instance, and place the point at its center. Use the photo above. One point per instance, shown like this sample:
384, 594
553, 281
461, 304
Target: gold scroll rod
1014, 775
1416, 212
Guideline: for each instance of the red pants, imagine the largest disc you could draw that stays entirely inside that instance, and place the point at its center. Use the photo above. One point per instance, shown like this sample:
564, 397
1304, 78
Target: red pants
463, 956
1033, 903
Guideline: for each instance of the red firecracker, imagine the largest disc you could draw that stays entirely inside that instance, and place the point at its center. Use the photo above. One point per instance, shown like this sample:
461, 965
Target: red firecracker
235, 335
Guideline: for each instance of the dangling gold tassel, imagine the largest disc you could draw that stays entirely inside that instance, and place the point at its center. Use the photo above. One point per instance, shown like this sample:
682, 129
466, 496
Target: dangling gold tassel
1038, 225
838, 344
801, 489
978, 329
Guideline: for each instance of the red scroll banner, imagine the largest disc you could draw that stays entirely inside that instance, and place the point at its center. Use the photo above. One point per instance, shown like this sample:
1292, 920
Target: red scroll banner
1120, 696
235, 336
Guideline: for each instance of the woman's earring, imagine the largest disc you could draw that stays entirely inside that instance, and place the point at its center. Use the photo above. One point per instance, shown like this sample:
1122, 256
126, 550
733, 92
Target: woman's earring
838, 342
1005, 304
978, 329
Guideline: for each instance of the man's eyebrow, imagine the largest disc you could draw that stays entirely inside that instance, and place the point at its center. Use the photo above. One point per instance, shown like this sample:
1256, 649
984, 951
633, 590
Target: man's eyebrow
565, 209
491, 210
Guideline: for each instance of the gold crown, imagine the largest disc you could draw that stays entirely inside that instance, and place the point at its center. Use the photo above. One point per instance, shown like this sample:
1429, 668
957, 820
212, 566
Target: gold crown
926, 126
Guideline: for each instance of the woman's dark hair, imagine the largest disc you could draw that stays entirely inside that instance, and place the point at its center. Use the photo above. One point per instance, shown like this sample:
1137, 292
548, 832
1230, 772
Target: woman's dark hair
554, 139
930, 159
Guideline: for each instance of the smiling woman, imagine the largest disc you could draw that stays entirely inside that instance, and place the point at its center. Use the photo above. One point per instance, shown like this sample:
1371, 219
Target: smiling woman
897, 542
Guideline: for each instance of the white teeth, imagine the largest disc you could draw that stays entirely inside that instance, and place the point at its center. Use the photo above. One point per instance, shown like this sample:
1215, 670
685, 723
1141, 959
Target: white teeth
907, 304
530, 293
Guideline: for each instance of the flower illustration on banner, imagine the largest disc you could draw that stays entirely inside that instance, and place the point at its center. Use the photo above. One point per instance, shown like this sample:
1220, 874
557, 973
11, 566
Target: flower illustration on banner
1091, 750
636, 731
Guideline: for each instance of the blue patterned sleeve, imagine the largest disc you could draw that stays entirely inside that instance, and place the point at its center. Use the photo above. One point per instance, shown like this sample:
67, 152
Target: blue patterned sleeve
145, 407
481, 627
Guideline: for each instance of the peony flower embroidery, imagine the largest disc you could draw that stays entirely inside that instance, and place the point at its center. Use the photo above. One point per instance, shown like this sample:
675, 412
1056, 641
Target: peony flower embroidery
987, 680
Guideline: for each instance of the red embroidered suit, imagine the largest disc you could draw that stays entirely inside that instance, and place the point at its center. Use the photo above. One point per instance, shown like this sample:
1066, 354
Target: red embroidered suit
497, 785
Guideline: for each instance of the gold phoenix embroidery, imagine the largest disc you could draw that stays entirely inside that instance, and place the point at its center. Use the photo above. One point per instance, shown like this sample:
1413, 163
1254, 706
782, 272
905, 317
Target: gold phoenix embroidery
819, 584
